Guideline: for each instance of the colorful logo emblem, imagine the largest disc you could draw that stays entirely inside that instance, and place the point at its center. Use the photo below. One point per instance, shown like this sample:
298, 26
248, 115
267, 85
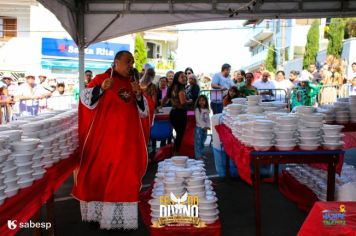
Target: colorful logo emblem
335, 217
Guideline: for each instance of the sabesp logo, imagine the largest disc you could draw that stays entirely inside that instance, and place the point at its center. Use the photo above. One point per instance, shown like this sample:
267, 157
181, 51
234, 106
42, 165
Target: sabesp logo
11, 224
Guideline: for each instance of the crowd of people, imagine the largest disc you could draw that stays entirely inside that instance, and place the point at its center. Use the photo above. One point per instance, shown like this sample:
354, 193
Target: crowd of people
29, 97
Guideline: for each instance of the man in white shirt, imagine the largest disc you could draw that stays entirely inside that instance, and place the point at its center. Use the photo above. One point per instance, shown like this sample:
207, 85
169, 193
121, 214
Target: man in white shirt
60, 100
265, 87
29, 95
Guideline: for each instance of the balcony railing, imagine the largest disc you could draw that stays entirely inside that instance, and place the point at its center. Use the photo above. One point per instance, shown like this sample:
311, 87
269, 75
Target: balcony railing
162, 64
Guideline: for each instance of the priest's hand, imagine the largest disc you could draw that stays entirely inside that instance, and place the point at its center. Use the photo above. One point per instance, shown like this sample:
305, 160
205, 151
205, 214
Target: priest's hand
136, 88
107, 83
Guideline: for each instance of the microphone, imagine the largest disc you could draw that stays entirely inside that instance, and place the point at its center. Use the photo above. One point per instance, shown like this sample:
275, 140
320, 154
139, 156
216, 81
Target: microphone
135, 74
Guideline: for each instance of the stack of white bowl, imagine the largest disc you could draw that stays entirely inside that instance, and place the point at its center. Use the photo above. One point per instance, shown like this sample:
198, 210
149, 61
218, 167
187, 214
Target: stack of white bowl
309, 129
332, 137
239, 101
253, 104
329, 113
342, 110
316, 180
263, 136
352, 102
23, 152
30, 145
285, 131
235, 109
179, 175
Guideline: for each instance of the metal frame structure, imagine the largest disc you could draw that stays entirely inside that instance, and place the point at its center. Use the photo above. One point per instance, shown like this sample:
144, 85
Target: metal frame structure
90, 21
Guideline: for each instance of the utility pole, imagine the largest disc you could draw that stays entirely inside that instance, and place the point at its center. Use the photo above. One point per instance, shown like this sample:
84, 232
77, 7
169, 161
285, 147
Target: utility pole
283, 46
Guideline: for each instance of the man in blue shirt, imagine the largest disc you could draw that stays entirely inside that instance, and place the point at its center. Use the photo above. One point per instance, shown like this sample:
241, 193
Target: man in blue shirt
222, 80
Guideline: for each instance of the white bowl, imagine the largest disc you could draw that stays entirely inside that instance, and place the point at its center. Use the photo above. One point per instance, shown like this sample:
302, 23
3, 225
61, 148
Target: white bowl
316, 117
333, 146
23, 157
333, 139
286, 127
24, 167
198, 194
196, 181
10, 192
254, 98
183, 173
4, 155
310, 140
284, 134
263, 124
332, 129
309, 132
9, 172
209, 220
14, 135
285, 147
286, 142
262, 148
11, 182
31, 127
25, 183
179, 159
196, 188
38, 175
287, 120
309, 124
309, 147
2, 199
305, 109
25, 144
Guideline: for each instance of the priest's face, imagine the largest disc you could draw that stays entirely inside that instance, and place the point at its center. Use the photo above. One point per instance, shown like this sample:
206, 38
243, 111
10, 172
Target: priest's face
124, 64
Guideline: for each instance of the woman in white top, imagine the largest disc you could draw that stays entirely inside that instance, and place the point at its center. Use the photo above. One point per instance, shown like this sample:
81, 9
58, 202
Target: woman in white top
202, 125
282, 83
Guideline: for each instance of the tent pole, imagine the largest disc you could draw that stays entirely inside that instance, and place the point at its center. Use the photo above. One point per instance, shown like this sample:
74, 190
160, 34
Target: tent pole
81, 68
80, 41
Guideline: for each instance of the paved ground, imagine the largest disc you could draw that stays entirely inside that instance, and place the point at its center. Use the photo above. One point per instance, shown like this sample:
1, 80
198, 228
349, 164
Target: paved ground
279, 215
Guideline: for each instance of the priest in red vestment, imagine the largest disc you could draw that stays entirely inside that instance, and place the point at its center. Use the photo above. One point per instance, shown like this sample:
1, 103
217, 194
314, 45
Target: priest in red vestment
113, 147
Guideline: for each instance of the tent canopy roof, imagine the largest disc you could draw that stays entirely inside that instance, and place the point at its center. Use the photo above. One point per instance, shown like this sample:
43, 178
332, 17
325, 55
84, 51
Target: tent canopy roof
90, 21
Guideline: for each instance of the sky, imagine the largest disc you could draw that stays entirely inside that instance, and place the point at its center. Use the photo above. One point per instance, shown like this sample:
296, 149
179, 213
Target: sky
206, 46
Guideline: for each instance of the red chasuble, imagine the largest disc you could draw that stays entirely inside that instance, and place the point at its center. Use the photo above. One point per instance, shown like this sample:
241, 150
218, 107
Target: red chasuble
112, 144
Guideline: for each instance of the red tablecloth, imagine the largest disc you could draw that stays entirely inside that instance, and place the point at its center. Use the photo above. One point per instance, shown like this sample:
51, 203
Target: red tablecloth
240, 154
350, 140
187, 147
210, 230
314, 225
296, 192
27, 201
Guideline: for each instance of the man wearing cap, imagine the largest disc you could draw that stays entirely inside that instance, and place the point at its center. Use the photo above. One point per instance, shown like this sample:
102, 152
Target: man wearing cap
29, 95
305, 92
45, 91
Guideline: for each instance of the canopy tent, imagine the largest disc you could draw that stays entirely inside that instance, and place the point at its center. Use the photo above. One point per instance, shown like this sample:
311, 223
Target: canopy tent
90, 21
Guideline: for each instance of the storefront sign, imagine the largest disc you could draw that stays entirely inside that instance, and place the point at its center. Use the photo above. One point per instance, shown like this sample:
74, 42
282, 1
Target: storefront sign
68, 48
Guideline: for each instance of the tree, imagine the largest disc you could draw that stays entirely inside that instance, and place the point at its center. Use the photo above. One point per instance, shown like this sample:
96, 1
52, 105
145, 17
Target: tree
350, 28
140, 52
336, 35
312, 46
271, 63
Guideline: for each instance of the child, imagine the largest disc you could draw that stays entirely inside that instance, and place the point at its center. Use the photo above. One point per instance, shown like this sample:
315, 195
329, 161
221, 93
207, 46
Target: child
202, 125
231, 94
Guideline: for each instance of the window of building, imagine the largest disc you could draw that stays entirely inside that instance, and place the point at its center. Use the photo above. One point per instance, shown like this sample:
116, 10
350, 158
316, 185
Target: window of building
153, 50
8, 28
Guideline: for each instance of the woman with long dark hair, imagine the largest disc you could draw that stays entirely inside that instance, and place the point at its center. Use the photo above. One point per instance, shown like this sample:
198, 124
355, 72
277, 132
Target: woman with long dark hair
178, 114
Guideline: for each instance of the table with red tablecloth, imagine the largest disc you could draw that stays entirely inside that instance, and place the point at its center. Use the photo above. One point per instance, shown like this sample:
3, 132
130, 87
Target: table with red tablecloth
144, 207
315, 226
244, 157
187, 146
28, 201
